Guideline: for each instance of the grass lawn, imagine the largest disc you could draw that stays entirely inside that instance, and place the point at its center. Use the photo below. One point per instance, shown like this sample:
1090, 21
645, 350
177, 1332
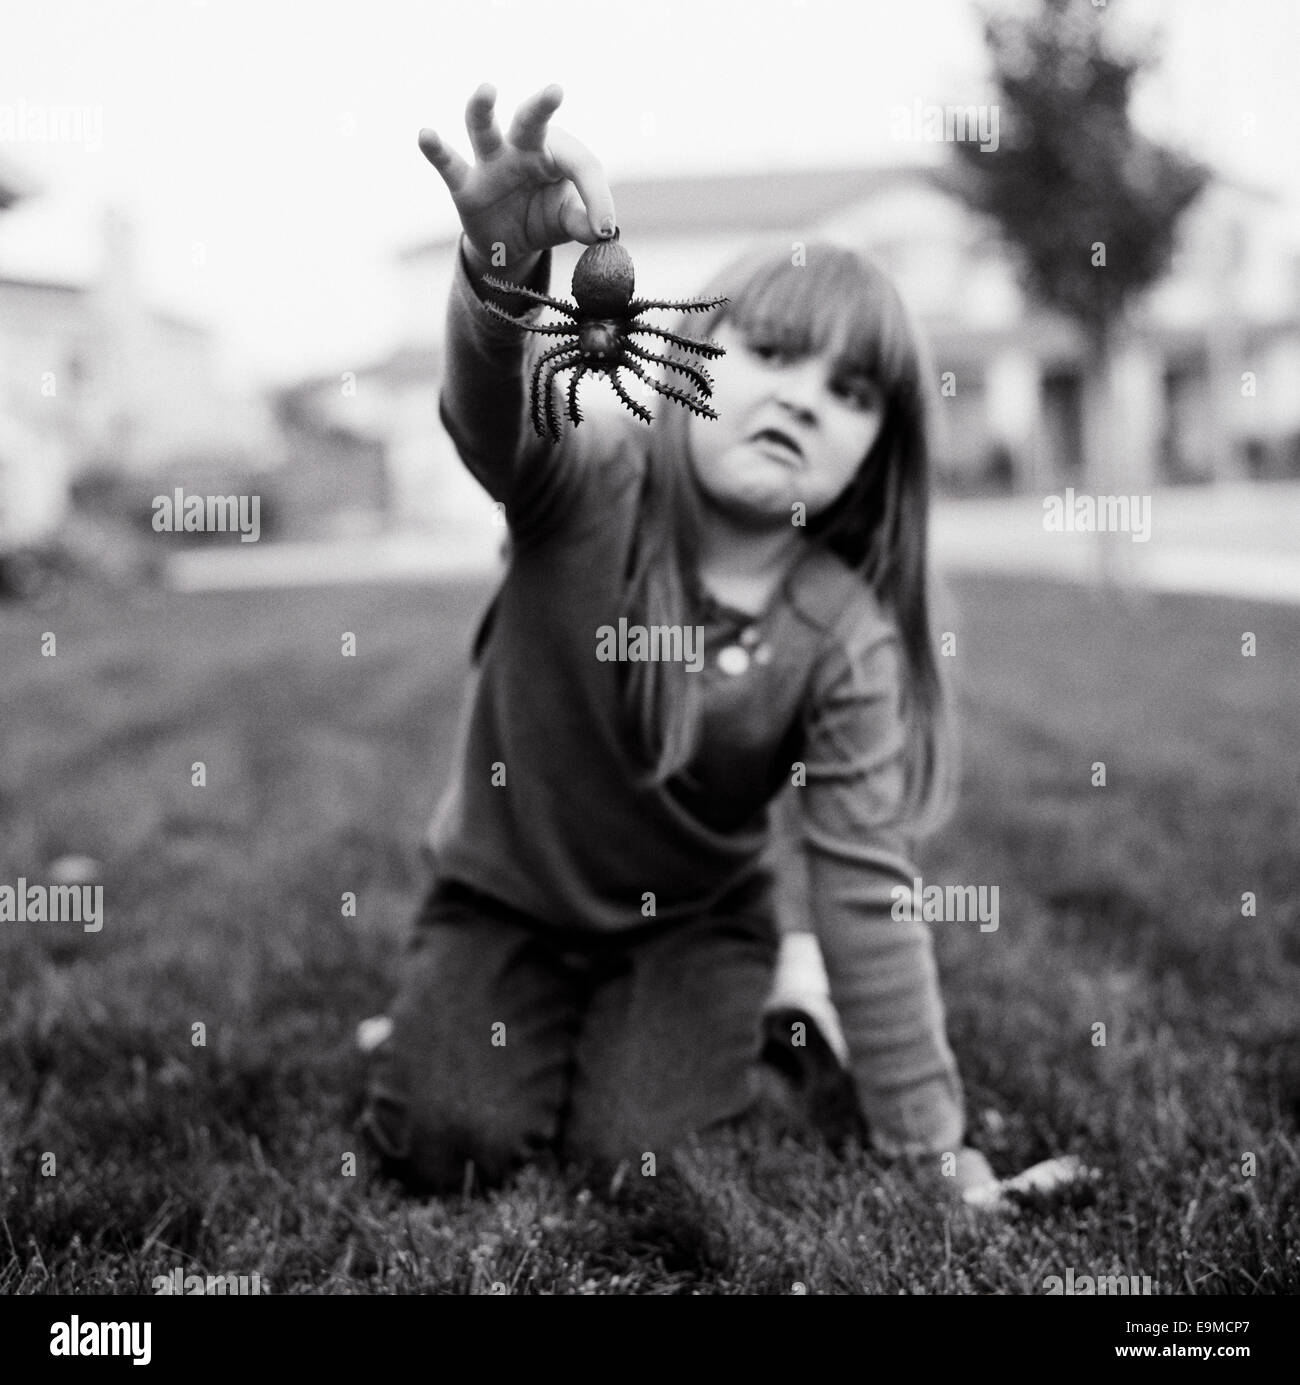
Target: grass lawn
1119, 905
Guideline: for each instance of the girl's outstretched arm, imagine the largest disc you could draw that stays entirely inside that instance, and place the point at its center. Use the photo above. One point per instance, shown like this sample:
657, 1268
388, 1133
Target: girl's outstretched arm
483, 400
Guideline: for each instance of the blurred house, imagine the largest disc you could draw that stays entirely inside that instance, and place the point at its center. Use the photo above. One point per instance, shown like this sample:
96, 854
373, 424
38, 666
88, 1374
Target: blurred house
381, 457
94, 379
34, 460
335, 476
1204, 389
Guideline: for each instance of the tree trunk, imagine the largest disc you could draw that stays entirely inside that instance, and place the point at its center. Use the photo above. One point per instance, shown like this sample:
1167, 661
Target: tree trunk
1104, 457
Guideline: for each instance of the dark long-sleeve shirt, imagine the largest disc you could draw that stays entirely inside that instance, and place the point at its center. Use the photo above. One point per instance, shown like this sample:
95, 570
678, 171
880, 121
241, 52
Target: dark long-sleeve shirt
545, 810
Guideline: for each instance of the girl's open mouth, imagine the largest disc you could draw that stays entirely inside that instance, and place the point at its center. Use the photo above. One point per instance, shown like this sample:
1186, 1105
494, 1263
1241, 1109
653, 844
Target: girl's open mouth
774, 440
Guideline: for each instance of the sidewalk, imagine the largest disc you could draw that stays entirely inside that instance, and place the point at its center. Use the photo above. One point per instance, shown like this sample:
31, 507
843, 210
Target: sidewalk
394, 557
1235, 539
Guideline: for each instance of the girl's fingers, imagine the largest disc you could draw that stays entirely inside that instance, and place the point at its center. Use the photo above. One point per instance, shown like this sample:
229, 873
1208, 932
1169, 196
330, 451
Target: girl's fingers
528, 129
584, 170
484, 137
452, 168
586, 214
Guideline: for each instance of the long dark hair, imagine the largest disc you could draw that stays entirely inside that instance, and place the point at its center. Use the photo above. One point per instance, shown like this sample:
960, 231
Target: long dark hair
806, 299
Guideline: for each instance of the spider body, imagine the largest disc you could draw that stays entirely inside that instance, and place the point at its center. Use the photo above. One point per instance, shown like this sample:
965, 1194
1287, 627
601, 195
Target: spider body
597, 338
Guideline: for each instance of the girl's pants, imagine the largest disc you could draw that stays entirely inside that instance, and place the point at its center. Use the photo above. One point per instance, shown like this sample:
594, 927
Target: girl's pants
512, 1038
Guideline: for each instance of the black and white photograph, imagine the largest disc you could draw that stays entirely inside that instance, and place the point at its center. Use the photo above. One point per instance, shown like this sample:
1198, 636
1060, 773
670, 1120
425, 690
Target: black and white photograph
649, 649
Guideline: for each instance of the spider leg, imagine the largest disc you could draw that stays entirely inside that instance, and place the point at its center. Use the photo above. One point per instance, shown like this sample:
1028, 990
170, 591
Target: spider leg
699, 377
639, 410
564, 349
689, 305
550, 329
575, 413
545, 379
670, 391
504, 286
711, 349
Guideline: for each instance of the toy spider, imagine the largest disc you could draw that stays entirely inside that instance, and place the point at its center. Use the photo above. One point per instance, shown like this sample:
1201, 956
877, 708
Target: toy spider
605, 317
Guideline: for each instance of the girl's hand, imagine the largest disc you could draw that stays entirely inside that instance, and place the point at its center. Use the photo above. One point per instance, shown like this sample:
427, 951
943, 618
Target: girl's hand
1054, 1181
531, 190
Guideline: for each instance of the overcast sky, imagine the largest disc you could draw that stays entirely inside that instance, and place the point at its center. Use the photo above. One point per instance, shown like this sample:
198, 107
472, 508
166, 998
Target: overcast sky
281, 136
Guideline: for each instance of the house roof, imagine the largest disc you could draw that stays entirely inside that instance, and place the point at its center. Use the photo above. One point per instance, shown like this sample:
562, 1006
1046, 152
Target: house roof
750, 202
178, 323
39, 285
757, 201
413, 361
160, 317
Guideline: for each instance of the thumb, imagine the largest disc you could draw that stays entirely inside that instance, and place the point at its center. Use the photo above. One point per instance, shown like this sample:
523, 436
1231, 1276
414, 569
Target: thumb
594, 200
575, 220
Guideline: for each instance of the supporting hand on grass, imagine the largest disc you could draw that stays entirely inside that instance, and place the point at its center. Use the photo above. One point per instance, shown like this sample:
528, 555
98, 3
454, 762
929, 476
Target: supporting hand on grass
1050, 1183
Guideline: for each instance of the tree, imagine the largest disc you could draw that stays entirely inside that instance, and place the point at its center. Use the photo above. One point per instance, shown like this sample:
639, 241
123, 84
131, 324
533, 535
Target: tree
1090, 204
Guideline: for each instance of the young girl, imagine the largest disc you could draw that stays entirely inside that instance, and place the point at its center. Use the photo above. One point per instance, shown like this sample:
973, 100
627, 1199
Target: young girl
590, 970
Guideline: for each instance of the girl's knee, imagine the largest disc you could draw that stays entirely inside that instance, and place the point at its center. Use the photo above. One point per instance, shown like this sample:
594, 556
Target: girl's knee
642, 1138
434, 1150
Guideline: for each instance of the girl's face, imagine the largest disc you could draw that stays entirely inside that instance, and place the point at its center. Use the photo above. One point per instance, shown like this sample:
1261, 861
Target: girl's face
790, 429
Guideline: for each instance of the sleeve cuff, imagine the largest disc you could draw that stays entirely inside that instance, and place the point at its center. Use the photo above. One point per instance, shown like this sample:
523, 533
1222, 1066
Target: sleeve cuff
925, 1119
463, 284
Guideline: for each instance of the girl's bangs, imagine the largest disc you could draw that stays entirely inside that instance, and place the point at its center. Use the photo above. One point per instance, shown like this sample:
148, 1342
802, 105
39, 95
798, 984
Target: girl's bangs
835, 302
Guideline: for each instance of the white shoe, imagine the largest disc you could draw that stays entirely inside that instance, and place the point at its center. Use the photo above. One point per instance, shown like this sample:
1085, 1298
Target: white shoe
800, 983
378, 1029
